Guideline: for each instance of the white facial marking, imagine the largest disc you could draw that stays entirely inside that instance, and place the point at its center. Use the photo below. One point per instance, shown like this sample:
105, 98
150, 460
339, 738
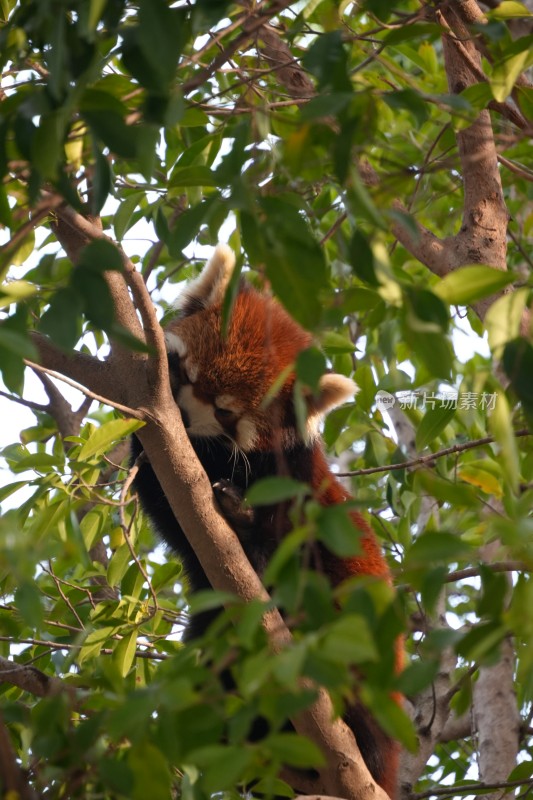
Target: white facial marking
202, 421
228, 402
175, 344
246, 434
192, 370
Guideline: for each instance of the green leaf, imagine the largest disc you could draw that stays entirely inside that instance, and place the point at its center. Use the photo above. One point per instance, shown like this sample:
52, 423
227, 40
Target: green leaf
310, 366
166, 574
40, 462
446, 491
336, 529
187, 225
425, 312
275, 489
15, 291
148, 137
99, 256
503, 318
6, 217
28, 603
501, 426
124, 653
482, 641
489, 483
362, 259
295, 751
151, 773
432, 424
294, 262
102, 183
197, 175
109, 126
349, 641
417, 677
98, 303
408, 100
62, 320
17, 342
433, 350
118, 565
161, 36
327, 60
509, 9
468, 284
360, 202
222, 766
106, 435
11, 488
94, 643
336, 344
124, 213
47, 144
92, 525
432, 548
517, 58
325, 105
116, 775
518, 364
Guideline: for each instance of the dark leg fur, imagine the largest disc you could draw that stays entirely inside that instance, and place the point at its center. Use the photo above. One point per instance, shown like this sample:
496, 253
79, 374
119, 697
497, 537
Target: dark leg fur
231, 501
259, 536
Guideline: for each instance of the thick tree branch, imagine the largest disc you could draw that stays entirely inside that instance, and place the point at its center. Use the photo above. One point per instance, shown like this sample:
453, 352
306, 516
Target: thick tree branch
482, 238
29, 678
75, 231
430, 715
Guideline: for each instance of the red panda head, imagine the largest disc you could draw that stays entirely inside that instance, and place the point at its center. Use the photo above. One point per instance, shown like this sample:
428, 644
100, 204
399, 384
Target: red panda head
240, 385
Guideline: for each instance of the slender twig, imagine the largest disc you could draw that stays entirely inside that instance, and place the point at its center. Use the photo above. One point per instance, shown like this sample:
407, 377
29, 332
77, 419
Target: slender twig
126, 530
63, 596
472, 788
131, 412
518, 169
106, 651
428, 459
497, 566
22, 402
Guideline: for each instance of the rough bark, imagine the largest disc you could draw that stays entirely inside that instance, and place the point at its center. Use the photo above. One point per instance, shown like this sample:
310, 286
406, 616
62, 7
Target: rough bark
497, 720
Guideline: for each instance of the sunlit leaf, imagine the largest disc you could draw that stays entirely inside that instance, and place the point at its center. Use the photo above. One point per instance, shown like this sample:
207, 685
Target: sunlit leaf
468, 284
107, 434
432, 424
501, 426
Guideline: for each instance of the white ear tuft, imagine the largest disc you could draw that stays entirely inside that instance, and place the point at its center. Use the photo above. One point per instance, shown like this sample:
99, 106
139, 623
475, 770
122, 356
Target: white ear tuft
210, 286
334, 389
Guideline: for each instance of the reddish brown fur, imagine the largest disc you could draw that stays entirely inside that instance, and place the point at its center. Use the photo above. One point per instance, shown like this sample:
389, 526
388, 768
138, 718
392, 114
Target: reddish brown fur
261, 342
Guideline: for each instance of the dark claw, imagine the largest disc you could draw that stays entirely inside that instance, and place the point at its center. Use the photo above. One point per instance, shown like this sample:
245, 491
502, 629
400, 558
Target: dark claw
230, 500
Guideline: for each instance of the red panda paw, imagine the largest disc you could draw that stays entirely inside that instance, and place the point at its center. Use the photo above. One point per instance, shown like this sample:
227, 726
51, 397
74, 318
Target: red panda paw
231, 501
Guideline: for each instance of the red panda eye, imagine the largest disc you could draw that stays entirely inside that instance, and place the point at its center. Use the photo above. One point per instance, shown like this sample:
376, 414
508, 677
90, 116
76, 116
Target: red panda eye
224, 413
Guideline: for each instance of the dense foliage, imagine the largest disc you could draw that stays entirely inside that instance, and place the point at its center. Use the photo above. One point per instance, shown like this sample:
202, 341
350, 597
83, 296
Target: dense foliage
290, 130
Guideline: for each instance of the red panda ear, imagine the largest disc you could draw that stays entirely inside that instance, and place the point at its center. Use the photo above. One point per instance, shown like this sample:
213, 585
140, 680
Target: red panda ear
333, 390
209, 288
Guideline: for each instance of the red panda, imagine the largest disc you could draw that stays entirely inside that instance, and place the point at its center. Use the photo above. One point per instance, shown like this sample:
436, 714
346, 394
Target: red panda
220, 380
